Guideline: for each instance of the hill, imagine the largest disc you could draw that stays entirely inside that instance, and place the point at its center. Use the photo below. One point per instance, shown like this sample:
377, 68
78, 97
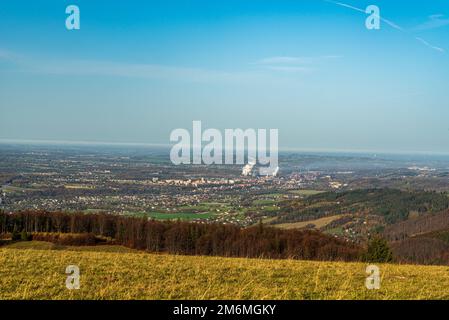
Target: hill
392, 205
423, 240
418, 226
357, 214
36, 270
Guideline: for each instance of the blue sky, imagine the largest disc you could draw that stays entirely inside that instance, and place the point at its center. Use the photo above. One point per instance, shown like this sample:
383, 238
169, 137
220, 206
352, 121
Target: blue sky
136, 70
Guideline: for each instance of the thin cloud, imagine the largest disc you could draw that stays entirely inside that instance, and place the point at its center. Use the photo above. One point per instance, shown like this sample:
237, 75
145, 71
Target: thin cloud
291, 64
143, 71
435, 21
294, 60
11, 57
6, 55
283, 60
288, 68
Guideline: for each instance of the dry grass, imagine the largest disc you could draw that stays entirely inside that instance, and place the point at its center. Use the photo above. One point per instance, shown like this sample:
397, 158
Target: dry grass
37, 271
318, 223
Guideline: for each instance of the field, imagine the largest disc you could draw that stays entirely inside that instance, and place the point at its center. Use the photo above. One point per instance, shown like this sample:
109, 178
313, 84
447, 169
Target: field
317, 223
36, 270
305, 192
181, 216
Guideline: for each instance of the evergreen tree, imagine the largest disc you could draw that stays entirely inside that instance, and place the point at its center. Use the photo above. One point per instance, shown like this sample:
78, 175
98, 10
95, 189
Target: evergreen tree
378, 251
15, 236
24, 236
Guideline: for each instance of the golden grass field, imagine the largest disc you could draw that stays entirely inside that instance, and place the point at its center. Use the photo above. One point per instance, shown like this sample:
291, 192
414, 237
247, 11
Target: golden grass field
36, 270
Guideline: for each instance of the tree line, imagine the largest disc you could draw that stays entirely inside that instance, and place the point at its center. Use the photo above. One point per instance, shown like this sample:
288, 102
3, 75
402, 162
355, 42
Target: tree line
190, 238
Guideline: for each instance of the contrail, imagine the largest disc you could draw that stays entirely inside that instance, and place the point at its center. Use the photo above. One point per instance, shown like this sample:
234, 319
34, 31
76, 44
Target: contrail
429, 45
389, 22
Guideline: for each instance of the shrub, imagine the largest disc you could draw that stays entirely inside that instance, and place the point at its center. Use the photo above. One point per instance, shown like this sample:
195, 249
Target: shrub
378, 251
15, 236
69, 239
24, 236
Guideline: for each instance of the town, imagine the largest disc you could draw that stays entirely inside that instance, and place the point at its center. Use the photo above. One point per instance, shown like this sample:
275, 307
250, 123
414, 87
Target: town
143, 182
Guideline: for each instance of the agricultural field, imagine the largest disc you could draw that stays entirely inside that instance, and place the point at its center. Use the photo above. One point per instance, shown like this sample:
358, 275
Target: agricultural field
317, 223
205, 210
181, 216
306, 192
36, 270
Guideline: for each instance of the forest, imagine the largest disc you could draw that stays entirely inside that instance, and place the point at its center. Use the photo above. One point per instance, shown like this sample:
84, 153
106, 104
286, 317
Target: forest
423, 240
176, 237
392, 204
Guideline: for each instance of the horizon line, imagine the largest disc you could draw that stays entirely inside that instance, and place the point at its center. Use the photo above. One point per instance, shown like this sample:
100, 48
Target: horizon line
166, 145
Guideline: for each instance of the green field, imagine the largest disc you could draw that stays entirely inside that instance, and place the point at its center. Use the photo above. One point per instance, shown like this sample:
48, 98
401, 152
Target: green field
173, 216
36, 270
181, 216
13, 189
204, 210
306, 192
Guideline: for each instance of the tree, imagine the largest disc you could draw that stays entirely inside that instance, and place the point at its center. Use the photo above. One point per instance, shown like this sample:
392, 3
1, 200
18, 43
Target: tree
24, 236
378, 251
15, 236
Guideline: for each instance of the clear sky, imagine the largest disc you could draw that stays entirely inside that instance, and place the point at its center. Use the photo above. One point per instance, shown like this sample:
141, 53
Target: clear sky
136, 70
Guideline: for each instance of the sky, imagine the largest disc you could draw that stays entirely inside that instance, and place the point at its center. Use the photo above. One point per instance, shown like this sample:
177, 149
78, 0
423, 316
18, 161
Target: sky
136, 70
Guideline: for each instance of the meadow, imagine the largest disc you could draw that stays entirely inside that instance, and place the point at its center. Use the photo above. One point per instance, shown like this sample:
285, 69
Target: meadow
36, 270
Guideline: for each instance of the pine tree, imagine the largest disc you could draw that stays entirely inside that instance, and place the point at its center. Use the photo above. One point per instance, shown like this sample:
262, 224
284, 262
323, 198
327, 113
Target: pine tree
378, 251
15, 236
24, 236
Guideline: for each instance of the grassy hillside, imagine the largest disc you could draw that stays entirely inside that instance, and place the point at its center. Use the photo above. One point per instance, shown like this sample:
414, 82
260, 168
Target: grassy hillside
36, 270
